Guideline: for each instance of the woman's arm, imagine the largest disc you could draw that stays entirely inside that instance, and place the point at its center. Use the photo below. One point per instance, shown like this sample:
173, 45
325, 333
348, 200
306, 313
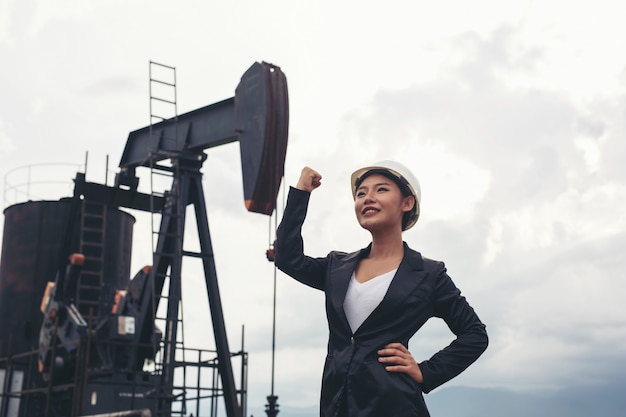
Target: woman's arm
471, 340
289, 245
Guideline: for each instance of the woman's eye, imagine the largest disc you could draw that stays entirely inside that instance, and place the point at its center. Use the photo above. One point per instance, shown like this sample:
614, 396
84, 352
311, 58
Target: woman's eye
382, 189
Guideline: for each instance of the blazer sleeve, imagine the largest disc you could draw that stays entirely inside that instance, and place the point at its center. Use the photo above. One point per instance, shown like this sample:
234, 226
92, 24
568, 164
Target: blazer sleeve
289, 246
471, 335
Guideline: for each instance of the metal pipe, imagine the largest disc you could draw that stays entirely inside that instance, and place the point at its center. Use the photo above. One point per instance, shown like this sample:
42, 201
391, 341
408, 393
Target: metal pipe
132, 413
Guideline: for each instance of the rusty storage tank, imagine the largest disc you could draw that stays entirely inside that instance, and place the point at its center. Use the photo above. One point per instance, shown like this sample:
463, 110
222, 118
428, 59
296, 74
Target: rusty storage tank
33, 241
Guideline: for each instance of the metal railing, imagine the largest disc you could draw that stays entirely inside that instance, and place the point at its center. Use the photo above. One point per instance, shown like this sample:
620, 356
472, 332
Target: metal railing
196, 391
45, 181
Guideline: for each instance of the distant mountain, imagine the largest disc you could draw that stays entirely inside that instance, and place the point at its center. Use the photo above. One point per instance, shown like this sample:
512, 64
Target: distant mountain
594, 401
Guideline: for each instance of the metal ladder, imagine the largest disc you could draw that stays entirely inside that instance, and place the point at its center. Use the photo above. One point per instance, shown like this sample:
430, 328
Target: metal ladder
162, 92
163, 106
92, 242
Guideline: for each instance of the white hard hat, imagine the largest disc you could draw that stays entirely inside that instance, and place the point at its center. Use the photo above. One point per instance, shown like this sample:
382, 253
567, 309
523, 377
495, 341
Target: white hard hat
401, 175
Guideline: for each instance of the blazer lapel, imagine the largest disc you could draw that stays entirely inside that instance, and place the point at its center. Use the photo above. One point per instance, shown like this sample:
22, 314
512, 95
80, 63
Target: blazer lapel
407, 278
341, 279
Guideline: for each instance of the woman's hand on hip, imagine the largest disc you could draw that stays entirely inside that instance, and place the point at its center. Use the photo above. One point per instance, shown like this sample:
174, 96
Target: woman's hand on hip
309, 180
399, 359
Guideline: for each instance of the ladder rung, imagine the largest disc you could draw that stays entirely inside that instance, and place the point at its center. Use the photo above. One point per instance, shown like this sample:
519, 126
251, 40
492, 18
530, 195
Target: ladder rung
162, 100
165, 234
158, 64
93, 258
165, 319
154, 80
91, 244
156, 116
196, 254
91, 229
94, 214
88, 287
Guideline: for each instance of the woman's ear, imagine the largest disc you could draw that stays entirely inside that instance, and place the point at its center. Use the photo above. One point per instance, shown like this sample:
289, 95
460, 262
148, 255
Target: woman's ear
408, 203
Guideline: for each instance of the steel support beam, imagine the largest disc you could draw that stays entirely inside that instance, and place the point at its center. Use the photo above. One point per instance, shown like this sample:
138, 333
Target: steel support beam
203, 128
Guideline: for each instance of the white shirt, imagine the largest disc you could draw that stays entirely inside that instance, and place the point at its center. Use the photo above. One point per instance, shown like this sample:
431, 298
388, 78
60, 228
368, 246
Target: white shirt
362, 298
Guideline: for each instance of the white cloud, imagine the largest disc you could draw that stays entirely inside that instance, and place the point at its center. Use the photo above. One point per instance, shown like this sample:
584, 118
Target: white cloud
561, 309
6, 143
43, 13
5, 14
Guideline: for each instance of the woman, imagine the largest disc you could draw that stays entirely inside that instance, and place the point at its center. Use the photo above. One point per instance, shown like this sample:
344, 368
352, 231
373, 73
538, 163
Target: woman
378, 298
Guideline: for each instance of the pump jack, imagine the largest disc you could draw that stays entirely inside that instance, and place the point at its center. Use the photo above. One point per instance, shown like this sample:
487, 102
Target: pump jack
257, 117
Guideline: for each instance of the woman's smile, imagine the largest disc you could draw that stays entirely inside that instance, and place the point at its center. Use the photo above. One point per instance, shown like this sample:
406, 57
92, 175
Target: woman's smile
369, 211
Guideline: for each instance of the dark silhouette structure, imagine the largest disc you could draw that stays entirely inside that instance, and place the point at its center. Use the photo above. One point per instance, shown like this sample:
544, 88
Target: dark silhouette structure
78, 337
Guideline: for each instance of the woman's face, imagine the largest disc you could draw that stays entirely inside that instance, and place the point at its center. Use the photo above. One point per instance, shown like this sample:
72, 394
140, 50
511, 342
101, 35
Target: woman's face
379, 203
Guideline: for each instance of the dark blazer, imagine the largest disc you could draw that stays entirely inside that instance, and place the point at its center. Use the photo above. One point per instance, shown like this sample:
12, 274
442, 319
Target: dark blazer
420, 289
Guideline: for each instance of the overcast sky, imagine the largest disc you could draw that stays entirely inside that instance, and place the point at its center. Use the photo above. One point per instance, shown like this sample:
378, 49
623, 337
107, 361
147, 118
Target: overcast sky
511, 114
